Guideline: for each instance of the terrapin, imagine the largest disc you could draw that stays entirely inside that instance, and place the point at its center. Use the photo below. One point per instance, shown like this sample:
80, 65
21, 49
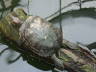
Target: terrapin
42, 38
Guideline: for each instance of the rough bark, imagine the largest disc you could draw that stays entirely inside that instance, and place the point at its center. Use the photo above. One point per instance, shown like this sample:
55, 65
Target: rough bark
76, 58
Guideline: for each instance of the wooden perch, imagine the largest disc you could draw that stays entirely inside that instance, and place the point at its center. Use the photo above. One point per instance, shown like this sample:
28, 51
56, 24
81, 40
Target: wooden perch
76, 57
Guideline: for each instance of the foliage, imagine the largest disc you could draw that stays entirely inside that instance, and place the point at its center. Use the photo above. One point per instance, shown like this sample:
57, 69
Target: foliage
7, 6
34, 61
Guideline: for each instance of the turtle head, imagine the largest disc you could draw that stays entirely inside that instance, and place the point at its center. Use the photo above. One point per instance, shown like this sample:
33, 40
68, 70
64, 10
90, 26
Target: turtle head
16, 20
18, 16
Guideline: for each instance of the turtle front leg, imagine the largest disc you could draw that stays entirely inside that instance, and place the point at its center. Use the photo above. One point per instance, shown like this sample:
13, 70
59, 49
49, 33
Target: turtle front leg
59, 64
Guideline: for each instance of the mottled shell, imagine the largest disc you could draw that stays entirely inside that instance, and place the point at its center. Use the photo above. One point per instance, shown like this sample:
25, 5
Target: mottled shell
40, 36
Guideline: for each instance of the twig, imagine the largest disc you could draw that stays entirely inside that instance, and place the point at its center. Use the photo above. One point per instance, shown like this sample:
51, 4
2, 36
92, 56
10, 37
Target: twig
4, 51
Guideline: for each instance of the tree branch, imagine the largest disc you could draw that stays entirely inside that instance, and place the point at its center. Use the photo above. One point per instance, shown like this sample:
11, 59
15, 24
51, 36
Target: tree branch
76, 57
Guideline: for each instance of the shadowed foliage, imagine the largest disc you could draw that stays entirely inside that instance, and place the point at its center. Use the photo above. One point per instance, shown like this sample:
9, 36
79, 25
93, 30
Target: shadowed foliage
6, 6
35, 61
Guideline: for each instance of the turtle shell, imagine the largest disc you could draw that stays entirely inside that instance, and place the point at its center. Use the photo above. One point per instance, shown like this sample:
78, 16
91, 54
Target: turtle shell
40, 36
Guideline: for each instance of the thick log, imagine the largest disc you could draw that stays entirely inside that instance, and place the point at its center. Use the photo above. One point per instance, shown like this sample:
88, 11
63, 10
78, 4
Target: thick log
76, 57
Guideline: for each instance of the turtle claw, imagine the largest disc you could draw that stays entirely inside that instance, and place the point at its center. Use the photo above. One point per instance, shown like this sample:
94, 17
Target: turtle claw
57, 70
59, 64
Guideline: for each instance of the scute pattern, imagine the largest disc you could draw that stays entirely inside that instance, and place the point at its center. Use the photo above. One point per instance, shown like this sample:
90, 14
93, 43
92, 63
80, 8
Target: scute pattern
42, 37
